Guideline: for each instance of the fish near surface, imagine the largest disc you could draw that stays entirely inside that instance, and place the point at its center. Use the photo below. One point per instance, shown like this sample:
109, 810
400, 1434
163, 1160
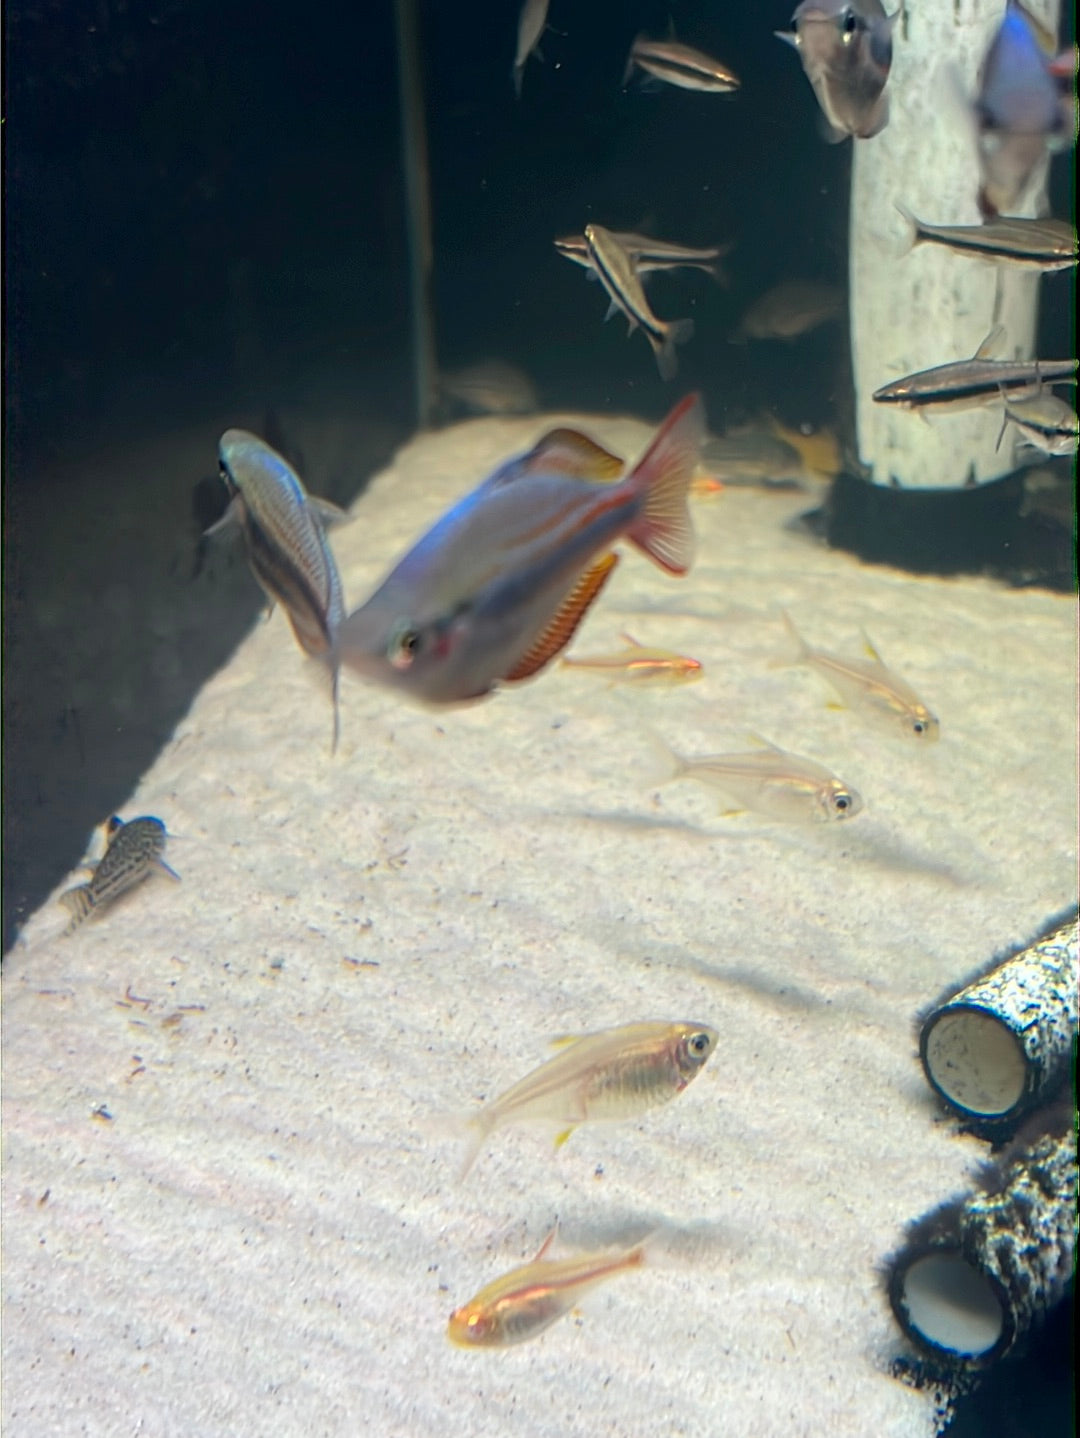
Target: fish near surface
134, 852
616, 1074
640, 665
867, 685
623, 285
846, 51
770, 781
497, 588
522, 1303
284, 530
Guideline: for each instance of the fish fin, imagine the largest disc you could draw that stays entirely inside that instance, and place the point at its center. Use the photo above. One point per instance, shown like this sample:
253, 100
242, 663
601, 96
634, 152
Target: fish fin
479, 1133
676, 333
630, 63
880, 115
789, 37
228, 520
629, 639
1004, 425
562, 1041
762, 742
166, 870
663, 473
570, 452
802, 649
668, 763
546, 1245
835, 705
870, 649
563, 626
991, 345
80, 903
914, 234
329, 515
561, 1138
731, 813
613, 309
830, 133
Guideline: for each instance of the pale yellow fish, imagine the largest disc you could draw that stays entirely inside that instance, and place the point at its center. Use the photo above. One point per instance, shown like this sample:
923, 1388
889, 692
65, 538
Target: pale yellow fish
639, 665
867, 685
769, 781
522, 1303
618, 1073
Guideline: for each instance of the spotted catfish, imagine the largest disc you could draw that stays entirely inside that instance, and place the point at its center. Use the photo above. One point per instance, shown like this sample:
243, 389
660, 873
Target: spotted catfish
496, 589
133, 852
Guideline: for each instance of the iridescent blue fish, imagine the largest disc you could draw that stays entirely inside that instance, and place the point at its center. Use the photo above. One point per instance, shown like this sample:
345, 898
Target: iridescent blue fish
497, 588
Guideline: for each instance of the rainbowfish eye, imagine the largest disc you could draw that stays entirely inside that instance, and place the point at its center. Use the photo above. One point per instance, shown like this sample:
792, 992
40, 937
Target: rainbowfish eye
699, 1045
850, 23
403, 645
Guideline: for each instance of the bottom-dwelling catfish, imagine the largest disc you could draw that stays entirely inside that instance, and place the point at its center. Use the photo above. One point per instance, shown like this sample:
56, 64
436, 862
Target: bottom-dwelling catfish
495, 590
134, 852
522, 1303
618, 1073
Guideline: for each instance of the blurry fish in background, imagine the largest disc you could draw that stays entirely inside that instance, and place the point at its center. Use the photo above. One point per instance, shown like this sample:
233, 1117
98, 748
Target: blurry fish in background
768, 454
284, 529
522, 1303
767, 780
1019, 112
498, 586
866, 685
615, 1074
133, 852
624, 289
648, 256
640, 665
1046, 423
846, 51
491, 386
531, 25
977, 382
1039, 244
680, 65
790, 309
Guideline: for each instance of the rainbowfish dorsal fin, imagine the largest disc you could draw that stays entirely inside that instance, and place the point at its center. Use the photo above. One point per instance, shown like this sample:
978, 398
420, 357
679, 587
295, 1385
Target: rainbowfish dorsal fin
570, 452
560, 631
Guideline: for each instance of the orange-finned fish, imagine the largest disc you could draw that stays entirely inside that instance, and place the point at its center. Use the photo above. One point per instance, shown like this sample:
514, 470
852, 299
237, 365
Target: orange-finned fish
867, 685
132, 854
769, 781
284, 529
846, 51
497, 588
639, 665
615, 1074
525, 1301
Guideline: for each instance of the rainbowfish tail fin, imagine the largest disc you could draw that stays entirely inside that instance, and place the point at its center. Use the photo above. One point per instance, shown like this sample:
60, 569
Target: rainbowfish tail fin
662, 475
80, 902
675, 333
666, 763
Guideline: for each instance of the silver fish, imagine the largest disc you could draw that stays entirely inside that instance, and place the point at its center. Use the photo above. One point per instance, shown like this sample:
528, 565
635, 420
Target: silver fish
790, 309
134, 852
490, 387
1009, 240
1046, 423
868, 685
846, 51
531, 25
680, 65
769, 781
976, 382
648, 256
284, 529
620, 280
497, 587
1018, 111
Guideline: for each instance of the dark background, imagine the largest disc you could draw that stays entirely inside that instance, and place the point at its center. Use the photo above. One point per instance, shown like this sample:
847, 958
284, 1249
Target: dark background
204, 226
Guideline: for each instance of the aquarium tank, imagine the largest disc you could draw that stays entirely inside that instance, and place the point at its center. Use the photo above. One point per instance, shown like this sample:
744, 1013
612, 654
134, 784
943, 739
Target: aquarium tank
540, 718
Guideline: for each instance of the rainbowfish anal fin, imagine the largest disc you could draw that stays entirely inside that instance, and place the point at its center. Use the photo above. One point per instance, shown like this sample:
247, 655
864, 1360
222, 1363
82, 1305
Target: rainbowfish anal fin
561, 1138
570, 452
560, 631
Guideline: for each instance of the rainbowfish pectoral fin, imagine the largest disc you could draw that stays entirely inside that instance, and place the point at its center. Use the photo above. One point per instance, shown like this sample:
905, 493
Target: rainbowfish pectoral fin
166, 870
330, 515
562, 627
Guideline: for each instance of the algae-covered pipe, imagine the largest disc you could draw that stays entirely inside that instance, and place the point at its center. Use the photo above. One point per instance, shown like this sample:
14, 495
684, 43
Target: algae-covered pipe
1004, 1043
976, 1276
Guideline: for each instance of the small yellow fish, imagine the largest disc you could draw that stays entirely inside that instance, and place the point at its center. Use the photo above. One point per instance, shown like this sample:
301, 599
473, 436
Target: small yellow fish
615, 1074
640, 665
769, 781
867, 685
132, 854
525, 1301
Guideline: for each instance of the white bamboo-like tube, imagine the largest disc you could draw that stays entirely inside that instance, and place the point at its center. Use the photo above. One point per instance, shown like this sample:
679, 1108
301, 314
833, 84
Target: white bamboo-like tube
975, 1277
911, 311
1005, 1042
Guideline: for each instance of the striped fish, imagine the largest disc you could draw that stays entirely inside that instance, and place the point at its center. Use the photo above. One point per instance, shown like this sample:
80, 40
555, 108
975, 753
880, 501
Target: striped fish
1043, 245
976, 382
1046, 423
134, 852
648, 255
620, 279
284, 529
679, 65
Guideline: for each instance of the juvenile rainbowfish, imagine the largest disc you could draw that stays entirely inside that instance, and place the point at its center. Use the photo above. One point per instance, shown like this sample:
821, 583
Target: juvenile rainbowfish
284, 529
615, 1074
496, 589
639, 665
770, 781
525, 1301
132, 854
868, 685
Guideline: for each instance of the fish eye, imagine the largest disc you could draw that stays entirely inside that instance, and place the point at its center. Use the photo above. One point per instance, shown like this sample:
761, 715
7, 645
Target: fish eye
918, 727
849, 23
842, 802
699, 1045
403, 644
